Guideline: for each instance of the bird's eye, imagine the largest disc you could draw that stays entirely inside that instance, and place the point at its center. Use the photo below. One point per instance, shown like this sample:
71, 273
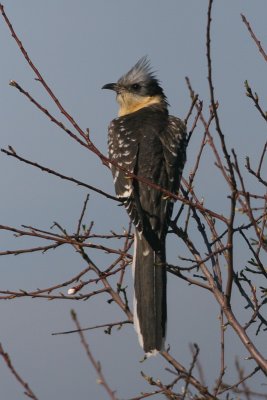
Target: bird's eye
136, 86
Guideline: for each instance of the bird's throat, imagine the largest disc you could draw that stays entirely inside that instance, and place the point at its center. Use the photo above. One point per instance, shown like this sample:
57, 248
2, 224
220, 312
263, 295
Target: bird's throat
129, 104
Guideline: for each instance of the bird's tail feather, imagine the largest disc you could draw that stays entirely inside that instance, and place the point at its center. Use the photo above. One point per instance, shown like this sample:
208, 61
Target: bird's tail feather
150, 310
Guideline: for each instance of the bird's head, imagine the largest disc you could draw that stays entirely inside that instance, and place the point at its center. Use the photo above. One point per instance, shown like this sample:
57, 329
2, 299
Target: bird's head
138, 88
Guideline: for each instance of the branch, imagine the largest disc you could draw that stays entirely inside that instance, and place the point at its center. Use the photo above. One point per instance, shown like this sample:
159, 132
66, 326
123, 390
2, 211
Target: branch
28, 392
61, 239
109, 326
256, 174
234, 386
255, 98
43, 249
224, 304
195, 352
47, 113
11, 152
192, 380
228, 160
254, 37
40, 78
96, 364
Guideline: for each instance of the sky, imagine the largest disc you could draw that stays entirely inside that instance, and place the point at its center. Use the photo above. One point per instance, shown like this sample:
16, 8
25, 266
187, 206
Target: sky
78, 47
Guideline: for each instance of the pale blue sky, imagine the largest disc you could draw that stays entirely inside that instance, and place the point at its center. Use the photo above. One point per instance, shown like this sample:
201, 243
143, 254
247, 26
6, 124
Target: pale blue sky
79, 46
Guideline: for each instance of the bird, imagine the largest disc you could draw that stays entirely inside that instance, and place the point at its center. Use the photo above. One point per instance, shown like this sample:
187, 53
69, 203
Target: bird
144, 140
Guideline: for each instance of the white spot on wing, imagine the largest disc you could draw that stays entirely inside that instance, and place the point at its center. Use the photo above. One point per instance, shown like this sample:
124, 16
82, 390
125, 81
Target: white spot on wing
126, 193
146, 252
116, 176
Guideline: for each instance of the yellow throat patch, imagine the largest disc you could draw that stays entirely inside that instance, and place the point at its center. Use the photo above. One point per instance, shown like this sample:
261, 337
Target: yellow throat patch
129, 103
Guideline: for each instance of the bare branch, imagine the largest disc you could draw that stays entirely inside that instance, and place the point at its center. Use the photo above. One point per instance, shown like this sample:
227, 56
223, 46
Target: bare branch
27, 390
12, 153
227, 157
254, 37
109, 326
96, 364
191, 379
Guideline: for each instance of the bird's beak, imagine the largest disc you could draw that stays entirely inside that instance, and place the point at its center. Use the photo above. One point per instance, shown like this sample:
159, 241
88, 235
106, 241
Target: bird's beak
111, 86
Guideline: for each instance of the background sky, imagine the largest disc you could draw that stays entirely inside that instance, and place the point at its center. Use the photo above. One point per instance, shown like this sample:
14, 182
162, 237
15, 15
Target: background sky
78, 47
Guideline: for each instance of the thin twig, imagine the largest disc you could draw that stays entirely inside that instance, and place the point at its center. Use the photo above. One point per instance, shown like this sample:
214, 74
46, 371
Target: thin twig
42, 249
109, 326
228, 387
194, 100
82, 216
229, 284
254, 37
47, 113
96, 364
255, 98
252, 172
28, 391
192, 380
195, 352
222, 366
12, 153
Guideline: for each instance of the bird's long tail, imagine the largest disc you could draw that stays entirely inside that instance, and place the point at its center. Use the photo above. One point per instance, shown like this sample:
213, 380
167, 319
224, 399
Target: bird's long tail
150, 308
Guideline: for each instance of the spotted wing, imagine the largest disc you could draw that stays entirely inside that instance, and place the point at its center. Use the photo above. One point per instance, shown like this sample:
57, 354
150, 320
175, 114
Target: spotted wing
123, 149
153, 149
174, 141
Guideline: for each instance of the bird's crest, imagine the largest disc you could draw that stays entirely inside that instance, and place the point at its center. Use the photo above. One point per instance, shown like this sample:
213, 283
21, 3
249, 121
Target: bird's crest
140, 72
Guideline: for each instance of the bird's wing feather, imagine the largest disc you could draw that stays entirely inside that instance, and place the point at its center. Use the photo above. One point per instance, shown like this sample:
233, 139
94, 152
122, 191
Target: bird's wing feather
123, 149
153, 150
174, 140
